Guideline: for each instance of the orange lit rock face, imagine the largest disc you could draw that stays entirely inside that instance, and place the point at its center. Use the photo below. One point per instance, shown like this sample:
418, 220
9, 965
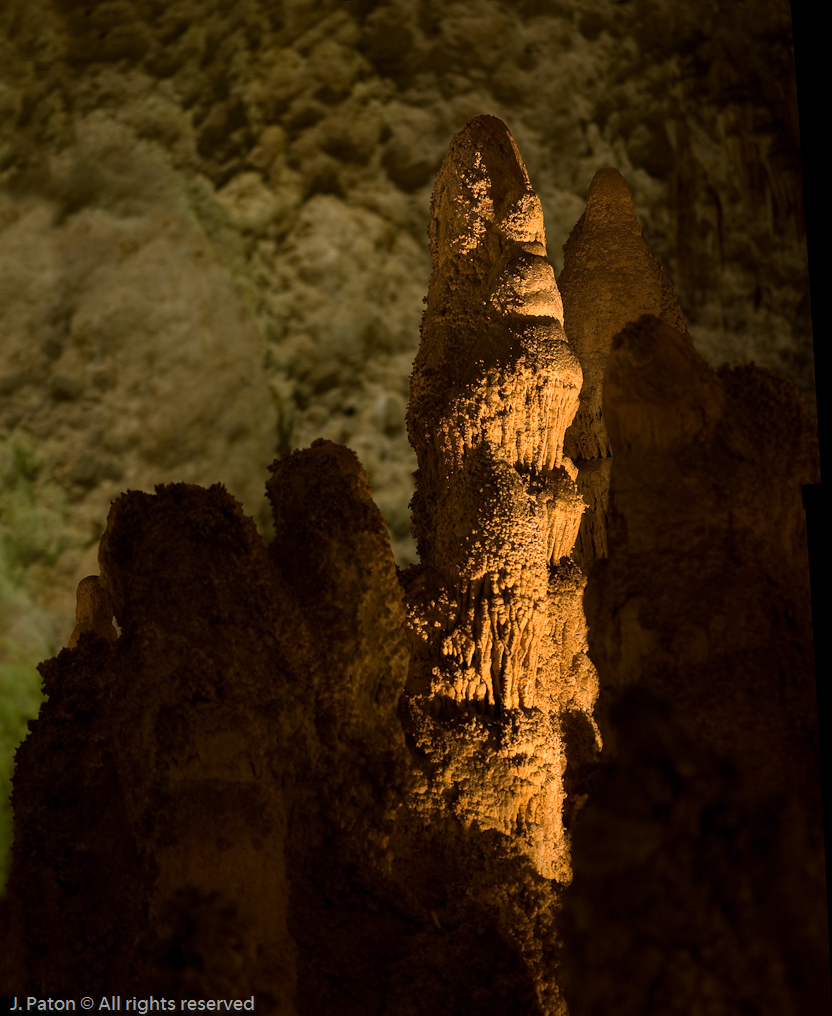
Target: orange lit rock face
494, 367
496, 510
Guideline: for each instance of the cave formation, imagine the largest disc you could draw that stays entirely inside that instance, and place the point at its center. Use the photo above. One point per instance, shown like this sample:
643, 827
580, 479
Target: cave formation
566, 763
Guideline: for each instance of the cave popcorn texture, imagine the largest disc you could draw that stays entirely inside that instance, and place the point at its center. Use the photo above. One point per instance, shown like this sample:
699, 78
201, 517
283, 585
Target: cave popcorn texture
496, 509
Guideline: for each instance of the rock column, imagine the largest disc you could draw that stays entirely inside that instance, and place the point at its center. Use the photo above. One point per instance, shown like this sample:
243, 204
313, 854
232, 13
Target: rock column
495, 609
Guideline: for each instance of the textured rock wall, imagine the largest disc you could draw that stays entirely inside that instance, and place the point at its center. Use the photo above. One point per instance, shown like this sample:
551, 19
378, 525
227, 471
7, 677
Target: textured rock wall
213, 233
301, 772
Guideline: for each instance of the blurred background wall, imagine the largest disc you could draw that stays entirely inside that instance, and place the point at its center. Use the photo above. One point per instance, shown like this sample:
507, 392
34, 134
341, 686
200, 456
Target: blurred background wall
213, 240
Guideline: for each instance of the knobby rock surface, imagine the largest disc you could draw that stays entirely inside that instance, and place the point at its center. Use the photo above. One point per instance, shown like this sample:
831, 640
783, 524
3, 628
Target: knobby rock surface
495, 609
304, 774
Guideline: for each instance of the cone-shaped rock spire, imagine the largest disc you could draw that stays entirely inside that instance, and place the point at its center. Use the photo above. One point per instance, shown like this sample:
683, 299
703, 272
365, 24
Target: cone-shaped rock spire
494, 387
610, 277
495, 608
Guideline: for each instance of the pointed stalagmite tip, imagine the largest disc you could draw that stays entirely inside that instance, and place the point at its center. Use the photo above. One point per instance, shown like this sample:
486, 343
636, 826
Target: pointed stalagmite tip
489, 141
609, 200
483, 186
91, 599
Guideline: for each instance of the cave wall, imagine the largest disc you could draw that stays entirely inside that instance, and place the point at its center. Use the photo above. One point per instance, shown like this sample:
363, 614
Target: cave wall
303, 772
213, 233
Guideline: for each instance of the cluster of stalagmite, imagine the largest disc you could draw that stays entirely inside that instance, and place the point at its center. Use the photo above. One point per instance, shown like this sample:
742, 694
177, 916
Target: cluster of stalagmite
495, 606
699, 882
300, 773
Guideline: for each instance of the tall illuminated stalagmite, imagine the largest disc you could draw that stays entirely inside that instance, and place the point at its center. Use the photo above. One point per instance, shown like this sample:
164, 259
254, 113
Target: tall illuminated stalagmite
495, 607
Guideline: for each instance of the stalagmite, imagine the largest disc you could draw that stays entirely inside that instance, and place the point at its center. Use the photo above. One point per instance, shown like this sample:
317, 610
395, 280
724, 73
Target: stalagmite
149, 842
610, 277
93, 612
496, 510
699, 864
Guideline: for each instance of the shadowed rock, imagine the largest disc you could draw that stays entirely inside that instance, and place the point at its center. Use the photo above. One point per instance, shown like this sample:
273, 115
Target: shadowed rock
699, 862
93, 612
140, 802
610, 278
